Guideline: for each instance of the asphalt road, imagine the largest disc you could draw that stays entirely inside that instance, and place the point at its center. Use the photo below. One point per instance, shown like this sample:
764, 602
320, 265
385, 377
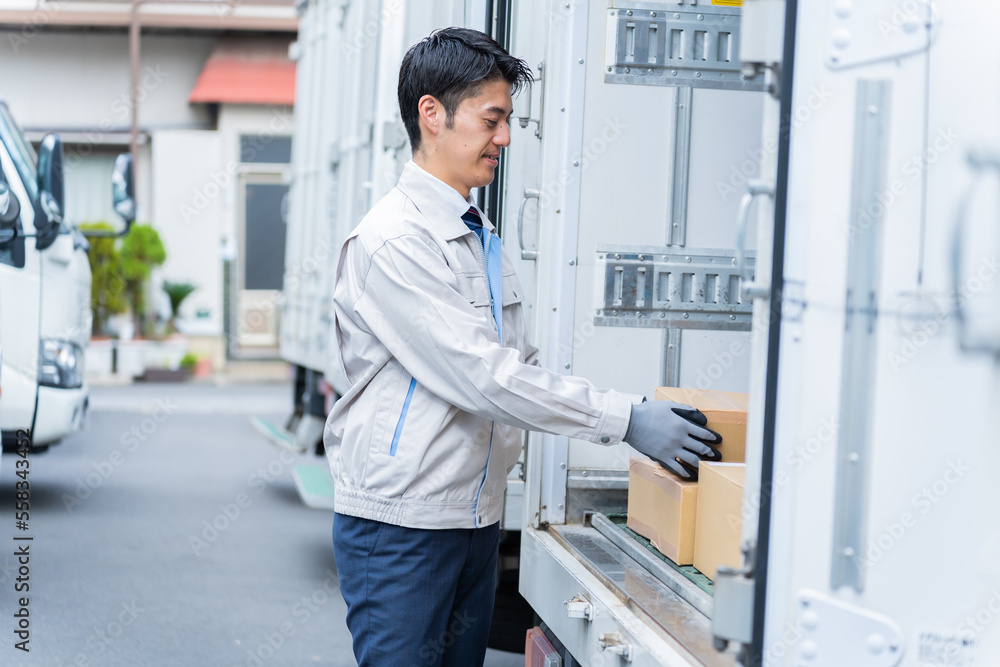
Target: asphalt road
169, 532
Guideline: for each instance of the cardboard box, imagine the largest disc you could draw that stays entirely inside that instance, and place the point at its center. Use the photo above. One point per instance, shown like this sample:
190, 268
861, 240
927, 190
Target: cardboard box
726, 412
662, 508
719, 524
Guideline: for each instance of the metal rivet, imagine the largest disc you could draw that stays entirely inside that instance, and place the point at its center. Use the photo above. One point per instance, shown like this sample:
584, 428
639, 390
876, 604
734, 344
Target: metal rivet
628, 69
598, 311
561, 505
576, 163
585, 473
572, 262
673, 72
618, 255
677, 16
562, 108
701, 17
853, 457
653, 14
732, 317
562, 465
580, 61
558, 210
629, 12
685, 316
697, 74
873, 110
553, 309
687, 259
642, 257
663, 316
614, 313
609, 69
649, 71
849, 552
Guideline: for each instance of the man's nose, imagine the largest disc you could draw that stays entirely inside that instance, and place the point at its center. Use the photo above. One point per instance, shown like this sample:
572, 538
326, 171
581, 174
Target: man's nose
502, 138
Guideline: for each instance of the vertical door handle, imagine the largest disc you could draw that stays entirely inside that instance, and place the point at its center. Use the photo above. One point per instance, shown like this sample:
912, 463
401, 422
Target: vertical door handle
529, 193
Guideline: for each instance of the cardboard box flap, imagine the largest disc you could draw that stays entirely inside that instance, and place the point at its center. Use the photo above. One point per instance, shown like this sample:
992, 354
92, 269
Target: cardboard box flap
725, 406
734, 473
652, 471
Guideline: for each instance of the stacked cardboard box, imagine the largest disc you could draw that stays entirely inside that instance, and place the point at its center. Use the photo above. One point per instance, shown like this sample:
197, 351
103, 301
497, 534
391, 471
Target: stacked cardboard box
719, 517
695, 523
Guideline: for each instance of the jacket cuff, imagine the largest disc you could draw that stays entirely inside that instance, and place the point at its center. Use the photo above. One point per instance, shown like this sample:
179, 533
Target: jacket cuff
616, 417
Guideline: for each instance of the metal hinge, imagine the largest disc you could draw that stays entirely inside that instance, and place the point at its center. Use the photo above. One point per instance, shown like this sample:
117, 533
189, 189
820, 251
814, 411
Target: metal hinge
861, 33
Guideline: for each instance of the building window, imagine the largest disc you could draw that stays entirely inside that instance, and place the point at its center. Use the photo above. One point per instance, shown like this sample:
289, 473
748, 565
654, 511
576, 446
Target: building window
265, 148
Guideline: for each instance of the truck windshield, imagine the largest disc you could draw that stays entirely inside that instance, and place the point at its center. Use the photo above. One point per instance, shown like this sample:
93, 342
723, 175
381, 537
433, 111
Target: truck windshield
21, 152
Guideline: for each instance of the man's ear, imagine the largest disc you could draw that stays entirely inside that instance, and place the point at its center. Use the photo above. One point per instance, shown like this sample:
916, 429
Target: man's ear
431, 115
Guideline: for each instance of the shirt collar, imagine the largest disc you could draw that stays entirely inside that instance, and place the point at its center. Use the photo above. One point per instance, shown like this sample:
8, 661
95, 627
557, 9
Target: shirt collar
437, 200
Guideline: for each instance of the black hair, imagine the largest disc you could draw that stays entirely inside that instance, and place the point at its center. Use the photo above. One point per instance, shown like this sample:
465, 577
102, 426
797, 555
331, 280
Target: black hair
452, 64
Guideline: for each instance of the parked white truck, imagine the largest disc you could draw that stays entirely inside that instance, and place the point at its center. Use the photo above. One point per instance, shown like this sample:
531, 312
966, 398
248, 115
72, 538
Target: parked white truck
856, 147
45, 290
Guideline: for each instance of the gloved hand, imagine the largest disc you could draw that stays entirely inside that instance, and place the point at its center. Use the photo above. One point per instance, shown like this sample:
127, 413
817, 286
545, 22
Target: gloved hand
674, 435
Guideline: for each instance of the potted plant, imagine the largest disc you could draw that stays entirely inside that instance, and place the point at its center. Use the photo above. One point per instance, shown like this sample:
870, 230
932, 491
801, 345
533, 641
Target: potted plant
176, 292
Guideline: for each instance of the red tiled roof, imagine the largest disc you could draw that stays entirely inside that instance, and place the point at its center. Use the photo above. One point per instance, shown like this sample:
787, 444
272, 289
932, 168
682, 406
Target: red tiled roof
247, 72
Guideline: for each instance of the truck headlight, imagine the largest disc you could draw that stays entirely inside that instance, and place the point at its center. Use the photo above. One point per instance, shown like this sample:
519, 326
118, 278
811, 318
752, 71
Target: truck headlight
59, 364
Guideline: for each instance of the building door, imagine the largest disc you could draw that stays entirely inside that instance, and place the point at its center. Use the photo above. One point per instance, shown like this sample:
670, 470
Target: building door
259, 267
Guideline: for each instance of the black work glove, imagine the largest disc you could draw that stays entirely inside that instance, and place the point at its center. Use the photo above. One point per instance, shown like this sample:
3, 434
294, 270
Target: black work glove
674, 435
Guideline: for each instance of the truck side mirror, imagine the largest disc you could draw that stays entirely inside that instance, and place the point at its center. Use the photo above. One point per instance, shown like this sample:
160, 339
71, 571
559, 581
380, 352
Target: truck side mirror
123, 190
51, 189
10, 212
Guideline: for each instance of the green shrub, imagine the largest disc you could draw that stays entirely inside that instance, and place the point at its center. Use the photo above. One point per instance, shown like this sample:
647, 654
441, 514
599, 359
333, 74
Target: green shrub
107, 286
141, 250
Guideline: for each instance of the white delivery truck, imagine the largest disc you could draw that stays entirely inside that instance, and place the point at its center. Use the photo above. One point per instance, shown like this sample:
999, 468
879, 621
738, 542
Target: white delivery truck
45, 289
796, 200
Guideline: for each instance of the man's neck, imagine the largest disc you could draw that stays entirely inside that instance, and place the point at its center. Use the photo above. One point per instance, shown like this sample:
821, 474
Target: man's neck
431, 167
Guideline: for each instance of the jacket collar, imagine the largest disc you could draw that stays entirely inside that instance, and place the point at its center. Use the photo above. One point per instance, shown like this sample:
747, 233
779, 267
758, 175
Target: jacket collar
440, 203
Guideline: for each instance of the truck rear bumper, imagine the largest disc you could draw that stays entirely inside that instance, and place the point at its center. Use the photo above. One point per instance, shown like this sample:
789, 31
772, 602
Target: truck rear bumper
60, 413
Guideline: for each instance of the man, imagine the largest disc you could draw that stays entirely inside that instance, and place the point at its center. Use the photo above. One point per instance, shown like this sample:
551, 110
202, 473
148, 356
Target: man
429, 324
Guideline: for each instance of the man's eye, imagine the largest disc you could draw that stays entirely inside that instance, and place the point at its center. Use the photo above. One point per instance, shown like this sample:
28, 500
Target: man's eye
491, 123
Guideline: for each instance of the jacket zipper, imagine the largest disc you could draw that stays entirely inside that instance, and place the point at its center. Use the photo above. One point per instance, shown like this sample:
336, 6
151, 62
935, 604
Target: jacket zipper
489, 453
402, 417
486, 277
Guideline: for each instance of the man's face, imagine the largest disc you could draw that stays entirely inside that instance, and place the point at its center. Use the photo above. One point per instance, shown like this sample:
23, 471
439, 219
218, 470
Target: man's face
467, 152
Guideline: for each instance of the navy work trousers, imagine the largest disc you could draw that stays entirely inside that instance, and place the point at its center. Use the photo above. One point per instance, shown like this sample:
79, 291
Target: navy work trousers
416, 597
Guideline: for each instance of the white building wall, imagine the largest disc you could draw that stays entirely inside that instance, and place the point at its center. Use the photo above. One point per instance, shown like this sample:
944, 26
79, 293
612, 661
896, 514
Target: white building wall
189, 210
81, 80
